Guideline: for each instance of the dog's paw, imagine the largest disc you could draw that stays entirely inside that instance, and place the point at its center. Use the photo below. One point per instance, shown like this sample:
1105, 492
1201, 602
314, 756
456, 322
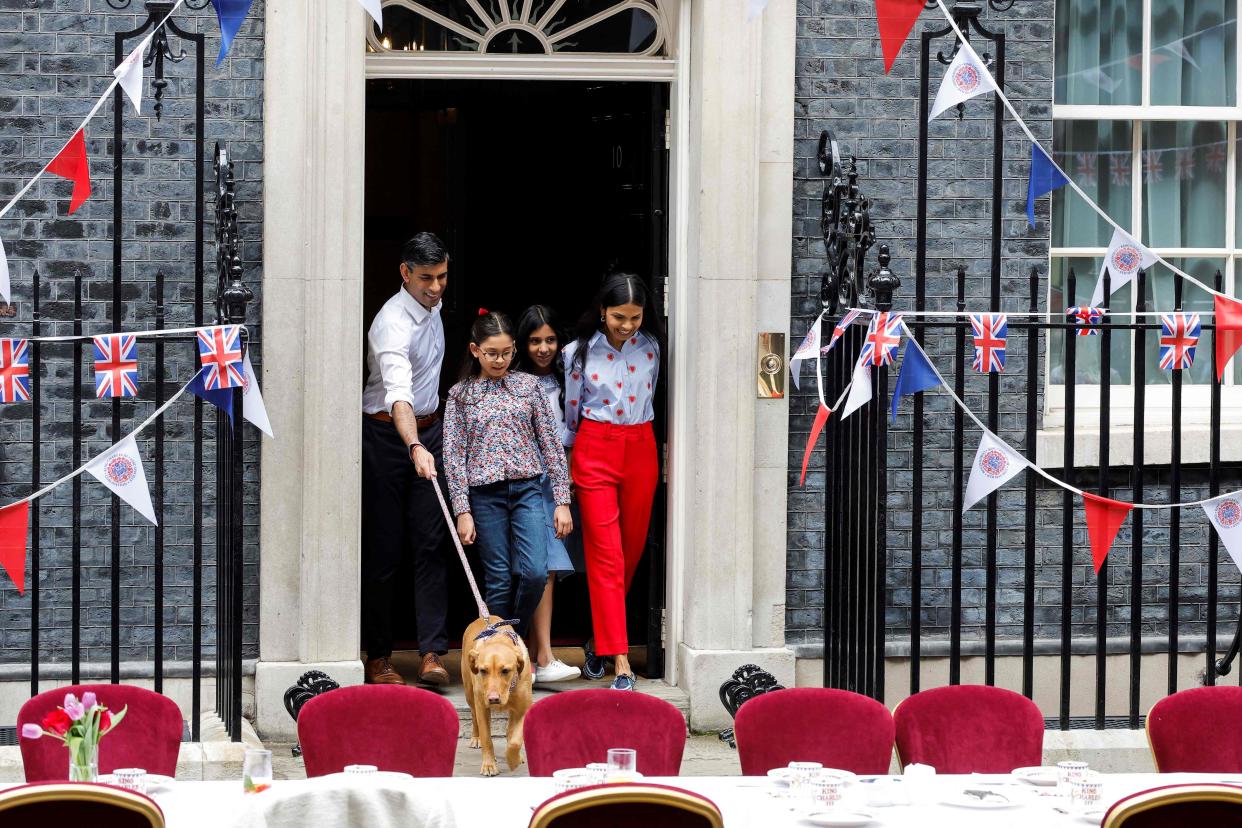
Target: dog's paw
513, 756
474, 742
489, 768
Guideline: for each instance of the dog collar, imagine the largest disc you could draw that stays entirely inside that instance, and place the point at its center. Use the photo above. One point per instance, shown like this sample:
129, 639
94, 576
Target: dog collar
493, 629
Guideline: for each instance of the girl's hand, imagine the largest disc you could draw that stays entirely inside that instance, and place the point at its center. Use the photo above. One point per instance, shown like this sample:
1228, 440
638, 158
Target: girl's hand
563, 521
465, 528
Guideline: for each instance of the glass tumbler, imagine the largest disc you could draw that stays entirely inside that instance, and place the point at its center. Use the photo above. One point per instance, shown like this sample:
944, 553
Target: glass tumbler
257, 771
622, 765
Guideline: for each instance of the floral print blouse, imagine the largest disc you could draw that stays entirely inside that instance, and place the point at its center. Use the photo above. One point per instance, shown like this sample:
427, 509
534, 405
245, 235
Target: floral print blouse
615, 387
498, 430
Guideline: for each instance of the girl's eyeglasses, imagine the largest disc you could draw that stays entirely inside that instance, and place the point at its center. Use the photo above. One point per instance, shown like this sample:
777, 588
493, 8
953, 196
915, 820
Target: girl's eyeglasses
503, 356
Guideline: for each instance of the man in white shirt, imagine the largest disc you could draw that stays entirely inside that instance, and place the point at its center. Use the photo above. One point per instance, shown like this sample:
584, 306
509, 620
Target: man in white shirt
401, 461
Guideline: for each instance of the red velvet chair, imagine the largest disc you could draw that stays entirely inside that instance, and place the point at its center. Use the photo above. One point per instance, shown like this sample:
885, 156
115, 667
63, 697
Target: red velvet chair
969, 729
1197, 731
77, 803
645, 805
1178, 806
574, 728
837, 728
149, 737
393, 727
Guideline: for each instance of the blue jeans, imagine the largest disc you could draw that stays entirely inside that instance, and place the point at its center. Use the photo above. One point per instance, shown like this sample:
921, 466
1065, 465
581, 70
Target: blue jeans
513, 546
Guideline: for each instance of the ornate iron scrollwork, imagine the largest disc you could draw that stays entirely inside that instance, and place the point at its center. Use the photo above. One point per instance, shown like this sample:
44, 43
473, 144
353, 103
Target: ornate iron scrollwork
232, 295
845, 222
161, 46
311, 684
747, 681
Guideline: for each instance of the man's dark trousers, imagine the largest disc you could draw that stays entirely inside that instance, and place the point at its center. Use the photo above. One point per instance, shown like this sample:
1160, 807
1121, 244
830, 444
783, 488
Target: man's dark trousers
401, 516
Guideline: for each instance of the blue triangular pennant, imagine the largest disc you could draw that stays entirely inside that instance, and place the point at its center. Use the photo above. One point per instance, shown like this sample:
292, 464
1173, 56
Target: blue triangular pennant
1045, 177
221, 398
231, 14
916, 375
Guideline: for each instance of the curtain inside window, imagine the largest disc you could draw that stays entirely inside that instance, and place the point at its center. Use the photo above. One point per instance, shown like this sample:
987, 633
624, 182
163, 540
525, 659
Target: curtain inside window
1098, 155
1194, 52
1099, 47
1183, 169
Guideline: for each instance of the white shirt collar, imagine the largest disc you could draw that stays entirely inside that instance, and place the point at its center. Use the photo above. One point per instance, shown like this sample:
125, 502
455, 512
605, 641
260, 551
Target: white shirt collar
415, 308
600, 341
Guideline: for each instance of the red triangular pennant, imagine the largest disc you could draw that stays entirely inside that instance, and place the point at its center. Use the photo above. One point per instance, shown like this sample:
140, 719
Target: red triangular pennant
71, 163
1104, 519
14, 522
895, 19
821, 417
1228, 332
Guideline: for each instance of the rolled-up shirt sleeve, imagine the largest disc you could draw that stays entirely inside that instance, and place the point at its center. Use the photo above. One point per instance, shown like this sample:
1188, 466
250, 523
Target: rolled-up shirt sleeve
391, 344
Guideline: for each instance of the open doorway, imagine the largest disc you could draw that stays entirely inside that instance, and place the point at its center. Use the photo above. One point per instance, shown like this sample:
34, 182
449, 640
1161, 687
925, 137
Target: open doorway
539, 188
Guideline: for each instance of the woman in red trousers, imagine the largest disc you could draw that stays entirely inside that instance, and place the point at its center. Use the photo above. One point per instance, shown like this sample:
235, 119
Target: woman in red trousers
610, 378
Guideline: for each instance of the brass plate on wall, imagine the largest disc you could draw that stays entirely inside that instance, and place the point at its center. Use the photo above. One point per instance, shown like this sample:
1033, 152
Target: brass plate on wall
770, 371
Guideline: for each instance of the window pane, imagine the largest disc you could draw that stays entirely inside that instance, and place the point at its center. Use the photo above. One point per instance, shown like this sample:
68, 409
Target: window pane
1194, 50
1097, 155
1098, 49
1159, 294
1183, 184
1087, 356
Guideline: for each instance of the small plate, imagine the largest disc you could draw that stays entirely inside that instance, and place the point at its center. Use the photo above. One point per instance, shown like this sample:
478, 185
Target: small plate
991, 801
1043, 777
781, 775
1093, 817
155, 781
841, 818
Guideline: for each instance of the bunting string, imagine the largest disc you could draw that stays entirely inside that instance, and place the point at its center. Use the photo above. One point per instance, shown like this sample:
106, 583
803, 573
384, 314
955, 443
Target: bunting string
154, 333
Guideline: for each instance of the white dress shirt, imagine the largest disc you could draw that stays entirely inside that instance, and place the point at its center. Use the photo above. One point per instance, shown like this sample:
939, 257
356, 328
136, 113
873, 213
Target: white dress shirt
405, 350
615, 387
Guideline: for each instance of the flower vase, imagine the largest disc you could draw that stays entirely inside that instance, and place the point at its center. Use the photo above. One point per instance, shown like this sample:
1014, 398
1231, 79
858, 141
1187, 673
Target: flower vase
84, 763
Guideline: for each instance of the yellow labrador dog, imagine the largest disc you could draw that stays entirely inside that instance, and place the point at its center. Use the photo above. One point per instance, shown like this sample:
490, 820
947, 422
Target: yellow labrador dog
497, 676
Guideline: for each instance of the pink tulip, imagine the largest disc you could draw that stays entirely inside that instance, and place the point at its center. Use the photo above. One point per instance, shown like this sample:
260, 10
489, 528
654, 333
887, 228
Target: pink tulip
31, 731
73, 707
88, 700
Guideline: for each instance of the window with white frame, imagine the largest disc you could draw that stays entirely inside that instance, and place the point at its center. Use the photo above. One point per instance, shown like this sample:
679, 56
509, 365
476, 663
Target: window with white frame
1145, 119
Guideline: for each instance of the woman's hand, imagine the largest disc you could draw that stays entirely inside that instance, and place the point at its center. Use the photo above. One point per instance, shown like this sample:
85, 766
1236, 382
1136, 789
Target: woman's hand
465, 528
563, 521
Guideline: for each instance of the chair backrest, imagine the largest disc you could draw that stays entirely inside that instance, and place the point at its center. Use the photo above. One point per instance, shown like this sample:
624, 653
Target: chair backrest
149, 737
394, 727
571, 730
78, 803
969, 729
639, 805
837, 728
1197, 731
1178, 806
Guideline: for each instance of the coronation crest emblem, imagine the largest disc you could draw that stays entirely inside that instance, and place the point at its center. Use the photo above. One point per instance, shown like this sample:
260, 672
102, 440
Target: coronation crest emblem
1126, 259
966, 78
119, 470
993, 463
1229, 513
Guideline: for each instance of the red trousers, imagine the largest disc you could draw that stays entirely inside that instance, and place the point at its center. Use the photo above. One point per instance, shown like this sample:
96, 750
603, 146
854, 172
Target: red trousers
614, 471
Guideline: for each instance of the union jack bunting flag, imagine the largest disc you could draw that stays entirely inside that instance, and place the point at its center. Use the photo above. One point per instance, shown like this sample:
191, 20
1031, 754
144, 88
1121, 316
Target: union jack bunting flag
1084, 315
883, 337
840, 328
1179, 336
14, 370
1215, 157
219, 350
116, 366
990, 330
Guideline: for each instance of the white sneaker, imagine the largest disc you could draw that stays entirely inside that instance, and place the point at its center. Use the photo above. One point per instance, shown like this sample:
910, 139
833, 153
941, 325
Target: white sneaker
556, 670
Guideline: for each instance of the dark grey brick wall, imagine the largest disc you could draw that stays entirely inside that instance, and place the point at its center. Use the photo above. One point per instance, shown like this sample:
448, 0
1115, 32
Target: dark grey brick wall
56, 56
841, 85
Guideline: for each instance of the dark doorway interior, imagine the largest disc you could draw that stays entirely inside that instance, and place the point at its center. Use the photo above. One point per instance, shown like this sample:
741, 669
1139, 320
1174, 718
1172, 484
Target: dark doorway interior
539, 188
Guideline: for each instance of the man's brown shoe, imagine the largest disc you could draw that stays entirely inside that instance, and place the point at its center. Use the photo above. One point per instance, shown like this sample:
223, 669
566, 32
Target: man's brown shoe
433, 671
380, 671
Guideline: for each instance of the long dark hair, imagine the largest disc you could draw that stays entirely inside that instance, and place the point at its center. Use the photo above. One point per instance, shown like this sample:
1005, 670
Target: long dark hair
618, 289
489, 324
531, 320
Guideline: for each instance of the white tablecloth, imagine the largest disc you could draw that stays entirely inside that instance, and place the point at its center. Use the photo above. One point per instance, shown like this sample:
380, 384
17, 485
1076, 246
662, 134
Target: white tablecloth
745, 801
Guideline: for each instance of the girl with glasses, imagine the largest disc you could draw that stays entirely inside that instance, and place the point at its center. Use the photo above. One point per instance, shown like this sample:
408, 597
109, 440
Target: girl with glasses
500, 436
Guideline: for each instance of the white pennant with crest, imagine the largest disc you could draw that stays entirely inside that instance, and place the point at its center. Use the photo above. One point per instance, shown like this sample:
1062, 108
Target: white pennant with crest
860, 389
253, 408
965, 78
1225, 513
995, 465
1124, 259
129, 73
120, 469
373, 9
4, 273
808, 349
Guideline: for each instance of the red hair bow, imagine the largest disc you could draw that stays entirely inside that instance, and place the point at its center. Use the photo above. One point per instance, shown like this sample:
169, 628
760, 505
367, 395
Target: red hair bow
483, 311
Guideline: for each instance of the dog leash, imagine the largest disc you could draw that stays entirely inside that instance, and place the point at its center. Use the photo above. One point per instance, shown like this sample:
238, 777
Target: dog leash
461, 554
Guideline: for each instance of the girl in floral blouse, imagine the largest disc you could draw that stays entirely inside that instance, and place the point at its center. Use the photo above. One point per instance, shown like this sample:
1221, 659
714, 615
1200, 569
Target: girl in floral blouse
499, 437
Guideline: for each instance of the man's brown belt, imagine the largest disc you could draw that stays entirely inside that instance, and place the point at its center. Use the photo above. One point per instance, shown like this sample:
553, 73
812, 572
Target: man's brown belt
423, 422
